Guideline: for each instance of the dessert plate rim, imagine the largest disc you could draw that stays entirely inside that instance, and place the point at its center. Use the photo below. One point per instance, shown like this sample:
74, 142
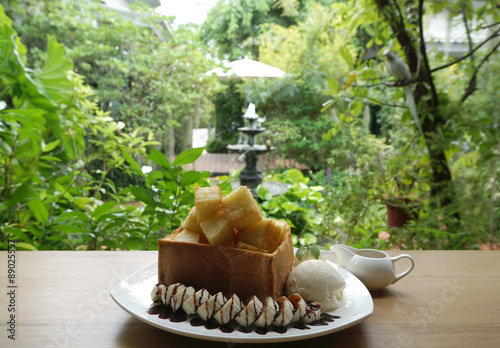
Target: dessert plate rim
133, 295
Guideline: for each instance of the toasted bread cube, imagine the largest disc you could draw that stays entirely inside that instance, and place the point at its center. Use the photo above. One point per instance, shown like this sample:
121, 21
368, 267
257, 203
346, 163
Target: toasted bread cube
265, 234
207, 201
191, 222
280, 227
242, 245
187, 237
240, 208
217, 230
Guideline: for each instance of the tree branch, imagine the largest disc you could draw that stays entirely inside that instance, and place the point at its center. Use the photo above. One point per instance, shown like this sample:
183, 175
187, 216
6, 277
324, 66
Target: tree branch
363, 86
472, 85
423, 52
401, 18
378, 102
405, 82
391, 12
487, 26
472, 82
492, 36
375, 78
467, 30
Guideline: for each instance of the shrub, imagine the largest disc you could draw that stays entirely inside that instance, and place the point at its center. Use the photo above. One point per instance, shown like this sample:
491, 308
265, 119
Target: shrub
48, 199
299, 205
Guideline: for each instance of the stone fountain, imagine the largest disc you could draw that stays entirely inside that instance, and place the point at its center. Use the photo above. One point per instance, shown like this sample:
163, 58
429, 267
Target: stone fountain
251, 176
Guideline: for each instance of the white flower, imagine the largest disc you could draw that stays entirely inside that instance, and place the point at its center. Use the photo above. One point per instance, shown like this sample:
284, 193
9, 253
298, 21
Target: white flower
338, 220
146, 169
120, 125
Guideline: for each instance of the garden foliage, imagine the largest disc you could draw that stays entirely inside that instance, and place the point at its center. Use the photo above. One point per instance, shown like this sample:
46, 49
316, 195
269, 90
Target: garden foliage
143, 72
82, 158
48, 197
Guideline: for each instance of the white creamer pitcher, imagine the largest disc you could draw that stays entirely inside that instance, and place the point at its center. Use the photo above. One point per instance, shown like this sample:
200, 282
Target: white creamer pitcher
374, 268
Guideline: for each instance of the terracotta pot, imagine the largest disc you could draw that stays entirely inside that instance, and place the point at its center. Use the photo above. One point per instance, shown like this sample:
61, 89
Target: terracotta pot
398, 216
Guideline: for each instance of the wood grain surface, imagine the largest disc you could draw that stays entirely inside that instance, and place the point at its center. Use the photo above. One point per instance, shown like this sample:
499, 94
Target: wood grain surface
451, 299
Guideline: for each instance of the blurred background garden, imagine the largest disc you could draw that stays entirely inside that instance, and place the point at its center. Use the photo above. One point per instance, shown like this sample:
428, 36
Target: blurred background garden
102, 104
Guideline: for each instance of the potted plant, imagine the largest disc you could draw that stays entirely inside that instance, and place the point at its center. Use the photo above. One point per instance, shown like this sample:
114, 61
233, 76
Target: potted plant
399, 186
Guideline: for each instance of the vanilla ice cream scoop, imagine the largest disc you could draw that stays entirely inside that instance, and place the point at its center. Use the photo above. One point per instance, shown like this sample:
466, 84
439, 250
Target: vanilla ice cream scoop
316, 280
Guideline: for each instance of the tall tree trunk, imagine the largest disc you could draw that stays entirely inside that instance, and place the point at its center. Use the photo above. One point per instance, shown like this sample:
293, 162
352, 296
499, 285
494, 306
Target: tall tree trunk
187, 133
426, 97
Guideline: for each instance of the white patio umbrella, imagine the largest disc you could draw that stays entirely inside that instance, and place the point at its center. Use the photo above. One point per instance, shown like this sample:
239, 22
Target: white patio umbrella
246, 68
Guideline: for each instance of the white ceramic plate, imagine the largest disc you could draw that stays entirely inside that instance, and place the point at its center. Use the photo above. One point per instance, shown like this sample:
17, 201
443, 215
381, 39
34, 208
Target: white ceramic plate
134, 296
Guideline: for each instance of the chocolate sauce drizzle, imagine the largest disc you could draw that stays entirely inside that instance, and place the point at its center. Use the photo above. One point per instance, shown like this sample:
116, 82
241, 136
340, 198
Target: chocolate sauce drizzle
166, 312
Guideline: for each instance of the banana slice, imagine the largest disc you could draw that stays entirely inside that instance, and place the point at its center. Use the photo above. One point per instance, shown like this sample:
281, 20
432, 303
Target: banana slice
251, 309
285, 312
171, 290
229, 310
280, 312
212, 305
156, 292
266, 316
299, 307
313, 313
191, 304
179, 297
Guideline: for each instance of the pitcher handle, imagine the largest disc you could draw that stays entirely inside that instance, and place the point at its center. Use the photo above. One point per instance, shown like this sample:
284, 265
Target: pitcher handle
405, 273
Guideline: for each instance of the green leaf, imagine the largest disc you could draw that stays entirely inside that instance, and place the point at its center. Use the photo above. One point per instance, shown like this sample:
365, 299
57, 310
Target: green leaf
17, 234
63, 191
289, 206
142, 195
159, 158
50, 158
152, 177
82, 202
28, 149
20, 194
315, 250
333, 85
69, 229
38, 209
186, 198
171, 174
309, 238
103, 209
346, 54
37, 231
50, 146
53, 77
190, 177
264, 193
188, 156
74, 217
226, 187
133, 164
295, 175
25, 246
300, 253
309, 249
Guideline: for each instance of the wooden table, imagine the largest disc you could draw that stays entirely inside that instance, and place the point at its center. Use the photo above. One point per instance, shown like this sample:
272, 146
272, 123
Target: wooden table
451, 299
